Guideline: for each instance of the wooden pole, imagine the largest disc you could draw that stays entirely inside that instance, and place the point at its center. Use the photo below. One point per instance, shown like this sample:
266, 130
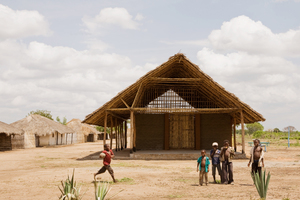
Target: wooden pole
105, 127
134, 133
131, 131
111, 131
234, 133
243, 132
116, 133
125, 134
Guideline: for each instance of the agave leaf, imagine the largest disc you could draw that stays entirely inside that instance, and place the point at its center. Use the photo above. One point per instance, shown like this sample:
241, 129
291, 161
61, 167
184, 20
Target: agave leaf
267, 183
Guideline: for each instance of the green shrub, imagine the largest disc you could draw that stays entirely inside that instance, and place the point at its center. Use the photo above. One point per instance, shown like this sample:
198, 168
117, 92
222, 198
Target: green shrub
258, 134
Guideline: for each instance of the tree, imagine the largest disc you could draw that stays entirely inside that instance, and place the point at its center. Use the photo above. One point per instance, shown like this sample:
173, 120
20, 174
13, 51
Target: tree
44, 113
64, 122
254, 127
291, 128
277, 130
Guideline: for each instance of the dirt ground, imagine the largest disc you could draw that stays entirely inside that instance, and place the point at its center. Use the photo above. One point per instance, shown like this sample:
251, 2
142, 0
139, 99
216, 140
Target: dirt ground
36, 174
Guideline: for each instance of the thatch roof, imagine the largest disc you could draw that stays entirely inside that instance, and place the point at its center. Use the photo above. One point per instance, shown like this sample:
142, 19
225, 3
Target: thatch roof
9, 129
83, 128
178, 68
41, 126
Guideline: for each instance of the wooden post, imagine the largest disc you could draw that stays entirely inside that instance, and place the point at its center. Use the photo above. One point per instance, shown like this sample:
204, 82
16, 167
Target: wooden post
134, 134
125, 134
197, 132
167, 132
131, 129
111, 131
234, 133
72, 139
243, 132
105, 127
116, 132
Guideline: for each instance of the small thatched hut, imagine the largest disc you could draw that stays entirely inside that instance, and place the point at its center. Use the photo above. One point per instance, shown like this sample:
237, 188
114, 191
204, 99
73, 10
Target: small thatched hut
41, 131
84, 132
7, 133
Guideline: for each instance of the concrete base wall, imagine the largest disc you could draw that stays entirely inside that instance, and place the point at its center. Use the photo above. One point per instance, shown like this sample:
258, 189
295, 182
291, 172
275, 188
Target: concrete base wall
214, 128
150, 130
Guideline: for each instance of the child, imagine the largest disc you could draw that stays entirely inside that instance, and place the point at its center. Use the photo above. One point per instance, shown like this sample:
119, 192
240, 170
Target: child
226, 156
256, 157
215, 154
106, 162
202, 166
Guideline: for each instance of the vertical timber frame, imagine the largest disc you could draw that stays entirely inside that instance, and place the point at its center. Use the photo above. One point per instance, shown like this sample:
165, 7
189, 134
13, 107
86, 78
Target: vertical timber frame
105, 127
243, 132
234, 133
132, 130
125, 134
116, 133
197, 132
111, 131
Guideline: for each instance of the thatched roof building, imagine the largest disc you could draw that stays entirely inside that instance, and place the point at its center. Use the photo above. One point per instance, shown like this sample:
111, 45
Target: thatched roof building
41, 126
7, 133
83, 130
9, 129
41, 131
175, 89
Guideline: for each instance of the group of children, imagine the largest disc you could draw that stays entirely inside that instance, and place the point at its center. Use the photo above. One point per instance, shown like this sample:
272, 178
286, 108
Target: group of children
224, 157
218, 157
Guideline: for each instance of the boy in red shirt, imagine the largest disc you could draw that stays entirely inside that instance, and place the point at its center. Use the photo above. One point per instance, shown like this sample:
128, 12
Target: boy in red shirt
106, 162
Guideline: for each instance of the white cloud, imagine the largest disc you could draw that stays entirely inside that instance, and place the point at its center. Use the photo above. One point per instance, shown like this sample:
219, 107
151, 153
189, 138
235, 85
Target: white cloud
111, 17
60, 79
21, 23
244, 34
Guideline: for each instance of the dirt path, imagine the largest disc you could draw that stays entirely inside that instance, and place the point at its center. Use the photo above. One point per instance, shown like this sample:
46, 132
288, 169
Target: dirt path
36, 173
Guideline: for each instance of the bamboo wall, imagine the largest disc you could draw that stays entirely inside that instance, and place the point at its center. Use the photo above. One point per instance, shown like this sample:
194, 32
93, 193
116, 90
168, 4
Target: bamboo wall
182, 131
214, 128
5, 142
150, 131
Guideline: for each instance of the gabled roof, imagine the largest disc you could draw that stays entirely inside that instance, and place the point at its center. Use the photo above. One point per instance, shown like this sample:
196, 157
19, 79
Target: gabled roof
178, 69
9, 129
42, 126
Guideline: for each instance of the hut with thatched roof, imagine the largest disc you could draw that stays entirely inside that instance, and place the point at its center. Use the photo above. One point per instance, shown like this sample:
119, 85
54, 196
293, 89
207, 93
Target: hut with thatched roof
7, 135
83, 132
41, 131
175, 106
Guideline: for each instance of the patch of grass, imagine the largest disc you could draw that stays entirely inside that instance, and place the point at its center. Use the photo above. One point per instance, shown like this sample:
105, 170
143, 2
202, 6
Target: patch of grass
43, 166
123, 164
173, 196
182, 180
126, 180
218, 181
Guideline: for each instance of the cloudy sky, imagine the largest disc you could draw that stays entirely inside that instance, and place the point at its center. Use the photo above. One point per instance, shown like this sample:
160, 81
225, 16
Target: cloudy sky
71, 56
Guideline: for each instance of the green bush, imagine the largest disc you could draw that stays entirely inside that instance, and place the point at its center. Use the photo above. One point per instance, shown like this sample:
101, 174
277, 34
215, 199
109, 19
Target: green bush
258, 134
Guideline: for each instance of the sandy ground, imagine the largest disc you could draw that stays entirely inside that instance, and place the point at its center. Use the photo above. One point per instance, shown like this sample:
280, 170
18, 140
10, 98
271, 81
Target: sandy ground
36, 174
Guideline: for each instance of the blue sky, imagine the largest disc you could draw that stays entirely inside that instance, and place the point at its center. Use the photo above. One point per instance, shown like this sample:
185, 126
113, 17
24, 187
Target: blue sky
70, 57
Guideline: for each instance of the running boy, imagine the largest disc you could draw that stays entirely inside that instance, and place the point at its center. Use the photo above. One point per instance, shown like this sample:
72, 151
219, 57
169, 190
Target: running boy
256, 157
106, 162
215, 159
202, 166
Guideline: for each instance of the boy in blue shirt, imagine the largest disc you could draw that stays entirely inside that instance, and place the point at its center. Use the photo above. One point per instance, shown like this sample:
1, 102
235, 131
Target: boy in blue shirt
202, 166
215, 154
